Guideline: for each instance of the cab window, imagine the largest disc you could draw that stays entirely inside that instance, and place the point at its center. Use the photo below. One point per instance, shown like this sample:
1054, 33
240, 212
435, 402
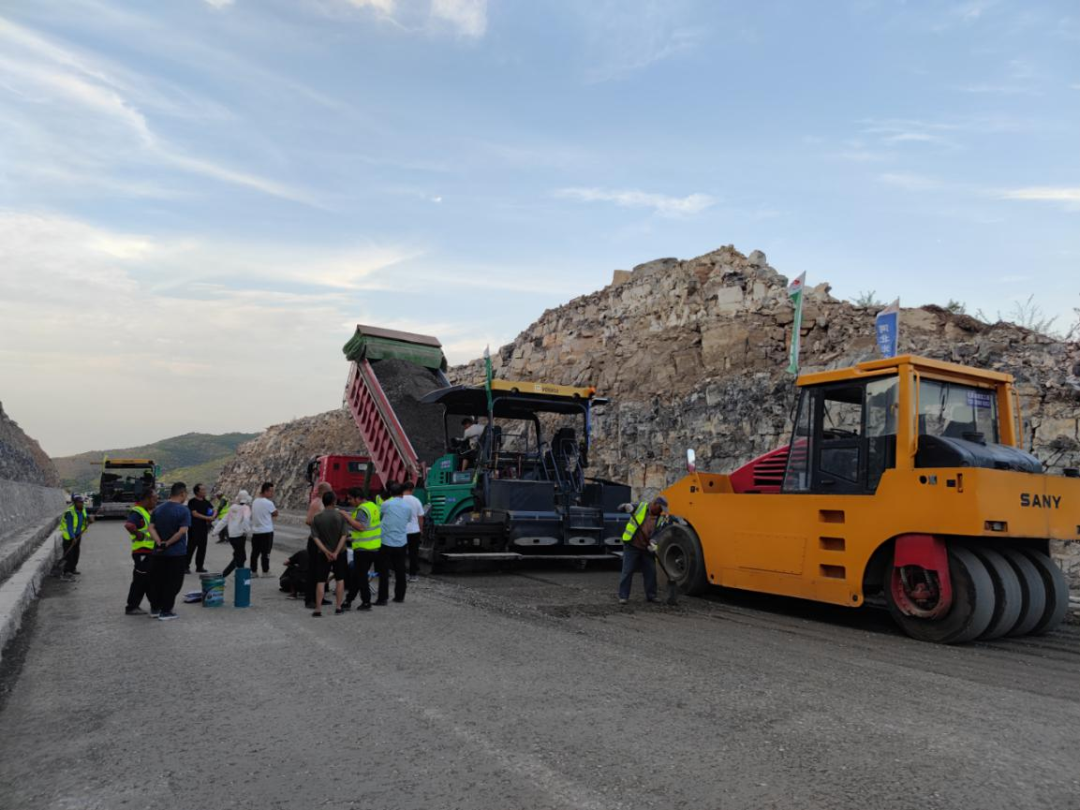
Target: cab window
957, 411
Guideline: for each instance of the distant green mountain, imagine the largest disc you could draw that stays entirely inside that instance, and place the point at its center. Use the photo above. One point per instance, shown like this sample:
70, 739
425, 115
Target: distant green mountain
192, 458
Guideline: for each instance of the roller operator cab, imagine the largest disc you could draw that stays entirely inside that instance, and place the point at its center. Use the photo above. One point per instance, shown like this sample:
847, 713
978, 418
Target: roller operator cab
904, 486
517, 486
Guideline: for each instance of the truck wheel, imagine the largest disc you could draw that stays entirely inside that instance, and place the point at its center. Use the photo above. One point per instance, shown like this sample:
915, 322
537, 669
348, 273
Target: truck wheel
679, 551
1057, 593
1031, 585
972, 603
1008, 596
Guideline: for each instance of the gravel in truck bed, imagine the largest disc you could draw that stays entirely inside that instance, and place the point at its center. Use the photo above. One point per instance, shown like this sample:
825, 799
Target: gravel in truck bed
404, 383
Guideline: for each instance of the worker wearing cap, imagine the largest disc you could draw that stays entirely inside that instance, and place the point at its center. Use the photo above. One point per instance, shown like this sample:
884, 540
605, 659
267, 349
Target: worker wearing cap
365, 520
646, 519
142, 553
72, 525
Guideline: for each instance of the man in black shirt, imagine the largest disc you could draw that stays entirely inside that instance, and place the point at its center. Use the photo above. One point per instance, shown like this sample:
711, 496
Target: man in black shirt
202, 515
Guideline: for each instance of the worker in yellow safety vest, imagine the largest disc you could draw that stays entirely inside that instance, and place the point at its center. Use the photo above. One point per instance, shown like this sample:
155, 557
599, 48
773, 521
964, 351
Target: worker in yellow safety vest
364, 518
221, 513
646, 519
73, 524
142, 553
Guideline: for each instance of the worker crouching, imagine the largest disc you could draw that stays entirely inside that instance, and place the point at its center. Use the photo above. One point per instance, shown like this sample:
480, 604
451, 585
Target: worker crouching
646, 519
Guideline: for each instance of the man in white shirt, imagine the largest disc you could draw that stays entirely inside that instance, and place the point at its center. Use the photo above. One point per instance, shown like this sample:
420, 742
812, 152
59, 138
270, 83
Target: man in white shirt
414, 529
263, 512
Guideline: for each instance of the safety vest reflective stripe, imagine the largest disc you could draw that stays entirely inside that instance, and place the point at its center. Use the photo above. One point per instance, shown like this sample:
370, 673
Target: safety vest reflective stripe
141, 539
371, 538
635, 521
72, 523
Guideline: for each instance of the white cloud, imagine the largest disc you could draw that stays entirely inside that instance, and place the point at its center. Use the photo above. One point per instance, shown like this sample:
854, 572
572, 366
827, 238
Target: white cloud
468, 17
220, 4
78, 115
909, 181
631, 198
1063, 194
624, 38
383, 6
218, 335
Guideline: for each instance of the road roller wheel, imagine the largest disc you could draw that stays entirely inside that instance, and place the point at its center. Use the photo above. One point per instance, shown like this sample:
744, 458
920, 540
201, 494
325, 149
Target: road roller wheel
1057, 593
1033, 589
1008, 596
972, 607
680, 554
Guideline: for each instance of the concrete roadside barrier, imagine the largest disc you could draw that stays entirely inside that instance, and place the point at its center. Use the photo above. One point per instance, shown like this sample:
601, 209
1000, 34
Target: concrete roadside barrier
20, 589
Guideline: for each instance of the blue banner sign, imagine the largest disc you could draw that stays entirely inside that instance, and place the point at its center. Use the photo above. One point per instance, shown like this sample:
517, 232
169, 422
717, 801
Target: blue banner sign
887, 326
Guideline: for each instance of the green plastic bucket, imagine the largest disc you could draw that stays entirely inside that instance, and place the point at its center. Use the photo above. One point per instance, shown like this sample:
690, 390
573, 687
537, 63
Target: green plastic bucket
213, 590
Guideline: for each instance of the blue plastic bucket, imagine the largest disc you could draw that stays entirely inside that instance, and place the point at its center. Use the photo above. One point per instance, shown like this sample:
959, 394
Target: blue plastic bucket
213, 589
242, 587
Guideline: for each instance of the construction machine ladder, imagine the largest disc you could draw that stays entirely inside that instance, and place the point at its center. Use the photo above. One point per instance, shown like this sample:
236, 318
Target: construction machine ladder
387, 441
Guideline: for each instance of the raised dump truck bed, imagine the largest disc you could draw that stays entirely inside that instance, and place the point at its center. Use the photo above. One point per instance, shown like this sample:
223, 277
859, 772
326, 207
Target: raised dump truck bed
390, 371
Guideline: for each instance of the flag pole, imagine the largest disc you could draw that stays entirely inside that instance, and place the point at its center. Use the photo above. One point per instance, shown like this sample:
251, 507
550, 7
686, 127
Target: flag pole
795, 291
487, 380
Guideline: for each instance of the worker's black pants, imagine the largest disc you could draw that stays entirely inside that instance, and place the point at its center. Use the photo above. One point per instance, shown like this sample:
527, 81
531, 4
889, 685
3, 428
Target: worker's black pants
310, 583
634, 558
71, 550
168, 578
362, 562
196, 548
239, 554
414, 553
395, 558
260, 547
141, 581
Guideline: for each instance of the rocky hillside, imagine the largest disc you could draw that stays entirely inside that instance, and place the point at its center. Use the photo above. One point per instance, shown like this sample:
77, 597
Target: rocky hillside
21, 458
694, 354
282, 453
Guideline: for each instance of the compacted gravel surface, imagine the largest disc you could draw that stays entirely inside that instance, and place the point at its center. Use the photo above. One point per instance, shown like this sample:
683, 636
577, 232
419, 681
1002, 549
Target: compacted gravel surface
524, 689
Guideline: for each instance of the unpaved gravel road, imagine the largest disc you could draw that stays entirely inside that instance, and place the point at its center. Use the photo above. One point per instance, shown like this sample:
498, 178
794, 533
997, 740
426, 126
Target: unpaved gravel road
522, 690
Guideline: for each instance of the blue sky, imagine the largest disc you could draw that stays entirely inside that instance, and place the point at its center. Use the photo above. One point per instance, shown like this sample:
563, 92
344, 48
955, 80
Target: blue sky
199, 199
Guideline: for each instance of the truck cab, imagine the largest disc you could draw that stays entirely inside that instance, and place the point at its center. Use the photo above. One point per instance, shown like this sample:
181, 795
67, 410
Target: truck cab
343, 472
